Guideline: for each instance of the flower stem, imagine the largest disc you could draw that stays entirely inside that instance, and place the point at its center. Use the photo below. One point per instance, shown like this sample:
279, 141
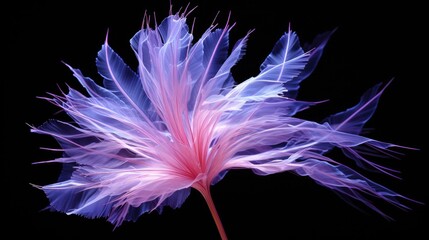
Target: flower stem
205, 191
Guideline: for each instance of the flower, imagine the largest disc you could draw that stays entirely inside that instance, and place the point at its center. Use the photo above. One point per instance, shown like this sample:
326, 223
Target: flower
147, 136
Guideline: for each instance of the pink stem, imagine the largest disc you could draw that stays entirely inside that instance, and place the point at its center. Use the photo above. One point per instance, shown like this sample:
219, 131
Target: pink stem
205, 191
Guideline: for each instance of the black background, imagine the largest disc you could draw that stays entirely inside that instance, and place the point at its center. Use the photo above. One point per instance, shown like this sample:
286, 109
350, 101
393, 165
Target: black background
372, 44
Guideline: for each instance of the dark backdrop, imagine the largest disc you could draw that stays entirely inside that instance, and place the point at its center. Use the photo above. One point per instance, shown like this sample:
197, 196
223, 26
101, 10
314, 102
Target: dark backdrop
372, 44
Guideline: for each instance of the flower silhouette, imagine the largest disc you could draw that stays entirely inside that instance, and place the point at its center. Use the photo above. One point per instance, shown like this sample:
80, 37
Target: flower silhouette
144, 138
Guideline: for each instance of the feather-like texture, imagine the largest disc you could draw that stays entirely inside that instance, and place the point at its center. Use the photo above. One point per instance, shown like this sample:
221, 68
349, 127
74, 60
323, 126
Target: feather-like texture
143, 139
